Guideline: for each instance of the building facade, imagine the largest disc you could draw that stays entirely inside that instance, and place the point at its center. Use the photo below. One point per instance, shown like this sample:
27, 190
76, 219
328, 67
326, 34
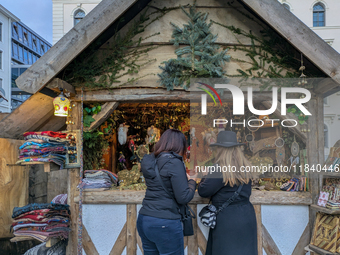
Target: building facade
323, 18
27, 47
67, 13
6, 19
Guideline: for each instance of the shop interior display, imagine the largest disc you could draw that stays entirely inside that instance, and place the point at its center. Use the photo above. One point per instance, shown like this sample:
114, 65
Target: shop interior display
133, 129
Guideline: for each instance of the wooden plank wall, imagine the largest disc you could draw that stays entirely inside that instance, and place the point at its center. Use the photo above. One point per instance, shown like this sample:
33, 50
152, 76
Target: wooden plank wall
13, 184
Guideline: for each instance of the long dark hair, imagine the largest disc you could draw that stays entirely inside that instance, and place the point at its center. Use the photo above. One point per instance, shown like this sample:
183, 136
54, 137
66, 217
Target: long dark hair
171, 140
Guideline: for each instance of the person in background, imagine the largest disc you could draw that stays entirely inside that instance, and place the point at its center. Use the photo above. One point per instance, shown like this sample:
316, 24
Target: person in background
235, 231
159, 221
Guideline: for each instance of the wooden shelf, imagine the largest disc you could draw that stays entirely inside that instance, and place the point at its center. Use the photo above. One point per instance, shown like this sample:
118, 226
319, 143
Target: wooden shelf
330, 174
325, 210
320, 251
47, 166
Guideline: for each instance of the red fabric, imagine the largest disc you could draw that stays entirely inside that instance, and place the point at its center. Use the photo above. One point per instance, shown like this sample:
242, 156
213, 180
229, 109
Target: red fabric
34, 212
48, 133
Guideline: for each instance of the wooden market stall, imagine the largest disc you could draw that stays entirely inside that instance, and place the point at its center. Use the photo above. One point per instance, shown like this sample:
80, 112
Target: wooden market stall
88, 62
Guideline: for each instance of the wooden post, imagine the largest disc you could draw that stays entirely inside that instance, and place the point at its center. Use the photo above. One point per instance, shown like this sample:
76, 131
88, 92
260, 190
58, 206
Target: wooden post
313, 154
259, 228
73, 181
192, 240
131, 237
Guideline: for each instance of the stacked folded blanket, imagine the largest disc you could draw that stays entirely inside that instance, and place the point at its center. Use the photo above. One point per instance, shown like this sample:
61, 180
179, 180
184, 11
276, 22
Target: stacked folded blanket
46, 146
333, 205
41, 221
98, 179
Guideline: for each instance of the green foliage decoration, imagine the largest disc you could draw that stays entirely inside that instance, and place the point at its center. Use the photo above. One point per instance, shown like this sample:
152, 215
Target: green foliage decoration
124, 55
89, 112
298, 113
269, 56
197, 53
94, 149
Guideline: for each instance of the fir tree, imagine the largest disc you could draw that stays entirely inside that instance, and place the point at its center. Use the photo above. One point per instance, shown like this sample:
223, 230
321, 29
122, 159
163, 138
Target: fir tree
200, 57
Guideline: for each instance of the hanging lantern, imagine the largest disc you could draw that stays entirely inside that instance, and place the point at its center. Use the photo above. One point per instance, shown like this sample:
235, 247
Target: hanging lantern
61, 105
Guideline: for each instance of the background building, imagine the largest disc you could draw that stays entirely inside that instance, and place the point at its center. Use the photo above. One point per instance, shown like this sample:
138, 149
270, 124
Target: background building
6, 19
27, 47
323, 18
67, 13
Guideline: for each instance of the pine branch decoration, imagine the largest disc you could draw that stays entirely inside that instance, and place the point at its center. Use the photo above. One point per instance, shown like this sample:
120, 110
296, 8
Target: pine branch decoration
198, 56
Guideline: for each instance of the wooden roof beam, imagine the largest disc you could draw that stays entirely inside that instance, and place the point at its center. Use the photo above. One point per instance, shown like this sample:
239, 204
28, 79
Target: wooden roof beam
105, 112
299, 35
72, 44
56, 84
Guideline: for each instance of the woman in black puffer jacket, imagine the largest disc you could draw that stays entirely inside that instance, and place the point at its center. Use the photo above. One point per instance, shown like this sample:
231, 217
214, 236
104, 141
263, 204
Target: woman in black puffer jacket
159, 221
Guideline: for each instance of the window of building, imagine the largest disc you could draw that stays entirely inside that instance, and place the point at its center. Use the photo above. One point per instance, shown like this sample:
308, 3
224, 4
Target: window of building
325, 132
25, 37
325, 100
15, 53
0, 59
2, 91
15, 32
21, 54
78, 16
42, 48
286, 6
318, 15
35, 46
0, 32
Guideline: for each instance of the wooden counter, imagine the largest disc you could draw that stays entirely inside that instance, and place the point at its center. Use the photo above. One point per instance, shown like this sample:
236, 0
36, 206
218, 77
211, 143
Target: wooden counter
136, 197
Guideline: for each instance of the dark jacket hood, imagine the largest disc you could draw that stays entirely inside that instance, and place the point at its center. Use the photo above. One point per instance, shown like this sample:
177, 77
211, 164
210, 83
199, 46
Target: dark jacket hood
148, 163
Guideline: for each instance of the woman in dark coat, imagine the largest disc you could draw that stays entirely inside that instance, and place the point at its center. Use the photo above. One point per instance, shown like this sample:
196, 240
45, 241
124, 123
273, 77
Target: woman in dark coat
159, 221
235, 232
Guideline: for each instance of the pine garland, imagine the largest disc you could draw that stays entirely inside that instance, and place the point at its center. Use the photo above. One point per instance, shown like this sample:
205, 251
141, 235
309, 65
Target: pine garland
200, 58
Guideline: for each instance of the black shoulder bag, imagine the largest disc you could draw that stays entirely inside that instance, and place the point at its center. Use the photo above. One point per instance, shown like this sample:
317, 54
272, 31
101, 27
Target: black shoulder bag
209, 212
187, 214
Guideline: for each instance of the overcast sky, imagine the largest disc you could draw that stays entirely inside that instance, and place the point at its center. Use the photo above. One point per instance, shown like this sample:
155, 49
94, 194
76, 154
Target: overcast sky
36, 14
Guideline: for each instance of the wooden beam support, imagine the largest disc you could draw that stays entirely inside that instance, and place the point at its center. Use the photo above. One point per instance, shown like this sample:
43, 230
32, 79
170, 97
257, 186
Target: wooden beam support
131, 237
202, 242
296, 130
313, 154
57, 83
156, 95
303, 242
269, 245
88, 245
120, 243
192, 240
72, 44
299, 35
73, 180
258, 213
136, 197
26, 116
105, 112
326, 87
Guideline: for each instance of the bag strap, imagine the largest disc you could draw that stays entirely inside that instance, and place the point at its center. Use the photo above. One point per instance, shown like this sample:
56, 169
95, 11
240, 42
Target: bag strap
168, 192
230, 200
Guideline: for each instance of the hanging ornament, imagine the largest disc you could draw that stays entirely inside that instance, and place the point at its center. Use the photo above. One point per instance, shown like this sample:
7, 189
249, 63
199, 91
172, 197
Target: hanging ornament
302, 79
122, 133
280, 150
61, 105
153, 135
255, 123
295, 148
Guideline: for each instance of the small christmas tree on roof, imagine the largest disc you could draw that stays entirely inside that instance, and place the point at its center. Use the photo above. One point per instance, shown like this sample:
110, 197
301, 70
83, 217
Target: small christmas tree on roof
199, 58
